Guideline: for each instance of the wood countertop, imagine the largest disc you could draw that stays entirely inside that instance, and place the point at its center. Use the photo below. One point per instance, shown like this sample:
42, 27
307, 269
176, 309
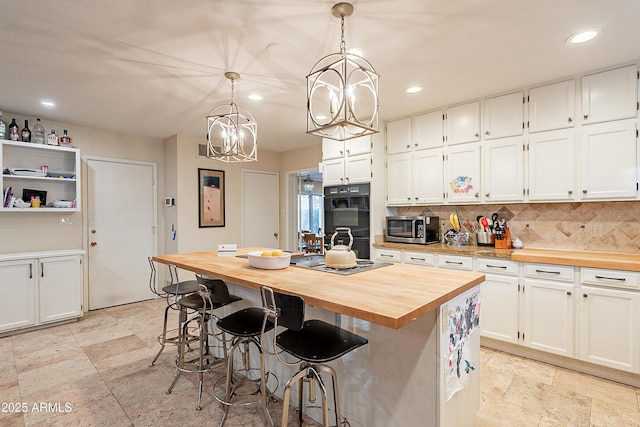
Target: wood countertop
615, 261
443, 248
391, 296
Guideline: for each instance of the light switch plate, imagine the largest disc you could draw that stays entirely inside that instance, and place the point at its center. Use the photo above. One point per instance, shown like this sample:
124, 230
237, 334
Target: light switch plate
65, 220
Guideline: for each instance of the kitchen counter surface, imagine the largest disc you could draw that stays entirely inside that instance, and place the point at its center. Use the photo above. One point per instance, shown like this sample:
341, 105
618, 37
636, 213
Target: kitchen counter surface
391, 296
443, 248
615, 261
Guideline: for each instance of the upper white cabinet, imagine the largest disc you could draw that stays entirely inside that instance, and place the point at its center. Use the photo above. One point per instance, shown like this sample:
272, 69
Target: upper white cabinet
503, 116
399, 136
346, 162
608, 167
415, 178
399, 180
610, 95
462, 173
463, 123
552, 106
332, 149
428, 130
27, 156
503, 170
552, 166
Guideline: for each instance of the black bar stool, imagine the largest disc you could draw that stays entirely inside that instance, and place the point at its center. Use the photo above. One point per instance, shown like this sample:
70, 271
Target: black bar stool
312, 342
172, 293
212, 294
242, 389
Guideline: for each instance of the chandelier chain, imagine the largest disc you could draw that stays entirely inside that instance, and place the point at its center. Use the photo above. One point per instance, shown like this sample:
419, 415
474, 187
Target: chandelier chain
343, 44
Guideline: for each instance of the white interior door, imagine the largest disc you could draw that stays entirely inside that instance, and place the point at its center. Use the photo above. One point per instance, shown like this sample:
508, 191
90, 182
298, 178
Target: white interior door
261, 206
121, 219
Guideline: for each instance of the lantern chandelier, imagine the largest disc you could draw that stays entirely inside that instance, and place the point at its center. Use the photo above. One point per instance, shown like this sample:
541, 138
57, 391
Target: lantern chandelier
308, 185
342, 92
231, 131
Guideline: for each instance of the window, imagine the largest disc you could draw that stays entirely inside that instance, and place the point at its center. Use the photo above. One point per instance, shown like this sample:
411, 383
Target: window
311, 212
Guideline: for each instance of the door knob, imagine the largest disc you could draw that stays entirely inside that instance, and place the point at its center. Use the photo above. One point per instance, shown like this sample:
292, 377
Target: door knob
94, 243
93, 231
275, 235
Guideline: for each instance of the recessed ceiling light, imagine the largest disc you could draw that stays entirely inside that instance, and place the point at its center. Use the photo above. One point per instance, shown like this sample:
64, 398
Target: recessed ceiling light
413, 89
583, 36
255, 97
47, 104
357, 51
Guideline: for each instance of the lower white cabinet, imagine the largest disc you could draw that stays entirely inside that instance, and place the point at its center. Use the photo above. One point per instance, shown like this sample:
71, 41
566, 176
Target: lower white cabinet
418, 258
389, 255
40, 288
500, 299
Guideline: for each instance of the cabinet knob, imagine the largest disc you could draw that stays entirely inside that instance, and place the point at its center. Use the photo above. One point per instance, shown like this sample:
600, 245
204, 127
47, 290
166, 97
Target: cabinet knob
477, 195
476, 134
570, 120
487, 195
409, 198
584, 191
408, 146
341, 152
348, 152
416, 198
586, 116
570, 192
569, 293
415, 145
94, 243
487, 133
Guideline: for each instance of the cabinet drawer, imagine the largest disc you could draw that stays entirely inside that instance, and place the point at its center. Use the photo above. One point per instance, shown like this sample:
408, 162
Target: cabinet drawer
419, 258
497, 266
455, 262
561, 273
610, 278
388, 255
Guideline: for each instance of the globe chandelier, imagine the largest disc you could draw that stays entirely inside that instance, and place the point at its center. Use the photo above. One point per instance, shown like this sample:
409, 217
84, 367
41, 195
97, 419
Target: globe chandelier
231, 131
342, 92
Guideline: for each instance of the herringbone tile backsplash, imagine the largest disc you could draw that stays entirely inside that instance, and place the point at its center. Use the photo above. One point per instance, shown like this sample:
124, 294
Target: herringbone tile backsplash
555, 225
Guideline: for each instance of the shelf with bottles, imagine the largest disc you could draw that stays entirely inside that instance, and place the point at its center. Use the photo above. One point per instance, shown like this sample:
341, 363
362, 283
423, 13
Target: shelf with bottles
51, 170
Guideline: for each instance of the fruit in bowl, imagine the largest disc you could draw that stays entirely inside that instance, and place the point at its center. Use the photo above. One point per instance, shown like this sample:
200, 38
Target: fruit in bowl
269, 260
456, 238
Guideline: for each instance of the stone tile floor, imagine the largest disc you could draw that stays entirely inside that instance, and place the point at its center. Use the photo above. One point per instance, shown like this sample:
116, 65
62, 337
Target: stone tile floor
95, 372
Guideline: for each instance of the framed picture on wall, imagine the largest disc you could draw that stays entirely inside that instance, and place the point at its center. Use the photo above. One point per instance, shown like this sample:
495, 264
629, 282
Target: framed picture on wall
211, 198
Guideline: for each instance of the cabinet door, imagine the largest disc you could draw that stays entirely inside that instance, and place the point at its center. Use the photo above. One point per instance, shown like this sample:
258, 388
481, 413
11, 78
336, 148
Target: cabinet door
610, 95
428, 130
503, 116
503, 171
399, 189
357, 169
388, 255
462, 173
552, 166
332, 149
399, 136
17, 286
60, 288
463, 123
360, 145
333, 172
610, 328
552, 106
427, 170
499, 317
548, 316
609, 161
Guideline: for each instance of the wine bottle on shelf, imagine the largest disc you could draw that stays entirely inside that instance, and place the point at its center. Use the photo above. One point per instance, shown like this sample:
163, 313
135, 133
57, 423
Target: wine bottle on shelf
3, 128
52, 138
26, 132
38, 133
14, 131
65, 139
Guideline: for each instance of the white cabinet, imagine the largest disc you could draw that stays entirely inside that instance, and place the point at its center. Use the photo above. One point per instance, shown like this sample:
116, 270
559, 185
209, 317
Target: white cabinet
428, 130
503, 170
610, 318
346, 162
418, 258
389, 255
610, 95
22, 155
552, 166
608, 167
332, 149
18, 287
503, 116
552, 106
500, 299
399, 136
463, 123
548, 308
40, 288
462, 173
455, 262
415, 178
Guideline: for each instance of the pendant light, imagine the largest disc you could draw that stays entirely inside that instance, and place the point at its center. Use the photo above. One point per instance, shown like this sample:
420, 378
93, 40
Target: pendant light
308, 185
342, 92
231, 131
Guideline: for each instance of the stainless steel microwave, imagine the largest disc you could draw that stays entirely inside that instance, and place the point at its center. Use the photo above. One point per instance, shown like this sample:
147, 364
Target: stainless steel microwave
421, 230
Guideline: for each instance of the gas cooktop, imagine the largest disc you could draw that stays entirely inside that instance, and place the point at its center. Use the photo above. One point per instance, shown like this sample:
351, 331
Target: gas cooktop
316, 262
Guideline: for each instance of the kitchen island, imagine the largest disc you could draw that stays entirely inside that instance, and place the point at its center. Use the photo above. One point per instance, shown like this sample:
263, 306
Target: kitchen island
398, 379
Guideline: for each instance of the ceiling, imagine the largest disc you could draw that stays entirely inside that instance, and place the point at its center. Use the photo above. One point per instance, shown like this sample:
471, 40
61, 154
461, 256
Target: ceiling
156, 67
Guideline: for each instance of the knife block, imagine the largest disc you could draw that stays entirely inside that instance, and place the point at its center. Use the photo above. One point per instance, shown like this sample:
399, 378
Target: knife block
504, 243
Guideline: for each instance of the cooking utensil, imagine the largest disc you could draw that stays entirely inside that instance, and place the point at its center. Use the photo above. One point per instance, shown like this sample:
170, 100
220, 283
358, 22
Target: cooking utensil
485, 224
341, 256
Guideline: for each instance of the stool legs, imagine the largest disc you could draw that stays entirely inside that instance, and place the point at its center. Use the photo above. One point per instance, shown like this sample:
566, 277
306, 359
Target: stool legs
162, 339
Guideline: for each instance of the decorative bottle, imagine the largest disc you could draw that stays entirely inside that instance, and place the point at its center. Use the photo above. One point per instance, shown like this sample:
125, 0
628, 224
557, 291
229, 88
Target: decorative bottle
52, 138
26, 132
3, 128
14, 131
65, 139
38, 133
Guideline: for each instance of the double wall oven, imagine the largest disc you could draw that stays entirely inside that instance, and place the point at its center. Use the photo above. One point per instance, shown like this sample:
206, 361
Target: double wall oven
348, 206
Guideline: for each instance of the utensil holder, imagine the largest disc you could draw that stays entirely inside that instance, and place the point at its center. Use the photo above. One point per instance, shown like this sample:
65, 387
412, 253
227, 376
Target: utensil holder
504, 243
484, 238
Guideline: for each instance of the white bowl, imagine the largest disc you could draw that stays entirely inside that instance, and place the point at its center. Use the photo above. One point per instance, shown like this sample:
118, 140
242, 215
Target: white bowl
268, 262
62, 204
